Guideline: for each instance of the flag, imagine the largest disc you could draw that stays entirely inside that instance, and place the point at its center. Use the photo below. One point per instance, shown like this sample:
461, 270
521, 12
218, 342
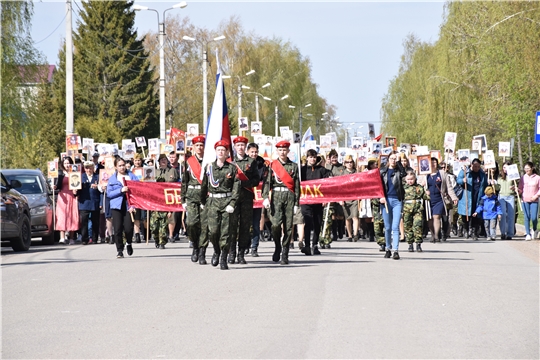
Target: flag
307, 136
218, 127
378, 138
174, 135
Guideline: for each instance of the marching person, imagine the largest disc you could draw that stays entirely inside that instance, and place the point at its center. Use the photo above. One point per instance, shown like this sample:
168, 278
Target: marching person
377, 228
336, 169
174, 229
313, 214
491, 211
281, 196
253, 152
162, 222
350, 207
191, 202
507, 199
89, 198
413, 206
121, 215
529, 187
139, 215
476, 181
219, 193
248, 175
67, 211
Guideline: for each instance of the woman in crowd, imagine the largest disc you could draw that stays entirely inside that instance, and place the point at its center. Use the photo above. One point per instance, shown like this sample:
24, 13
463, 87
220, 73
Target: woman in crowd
529, 188
121, 215
350, 208
507, 199
391, 204
67, 209
440, 191
474, 182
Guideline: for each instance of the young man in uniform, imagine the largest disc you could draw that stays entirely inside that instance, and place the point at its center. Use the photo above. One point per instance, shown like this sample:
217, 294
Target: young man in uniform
243, 213
191, 202
336, 169
161, 221
219, 193
253, 152
283, 181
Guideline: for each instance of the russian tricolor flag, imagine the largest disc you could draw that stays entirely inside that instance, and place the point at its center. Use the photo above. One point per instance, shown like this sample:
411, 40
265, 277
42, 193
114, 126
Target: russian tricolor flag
218, 127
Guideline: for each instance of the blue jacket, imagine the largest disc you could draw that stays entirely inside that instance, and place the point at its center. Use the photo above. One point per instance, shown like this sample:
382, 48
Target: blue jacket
87, 197
471, 205
114, 190
489, 207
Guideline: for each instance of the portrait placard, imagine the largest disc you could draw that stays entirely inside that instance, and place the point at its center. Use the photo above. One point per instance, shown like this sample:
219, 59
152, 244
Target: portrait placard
513, 172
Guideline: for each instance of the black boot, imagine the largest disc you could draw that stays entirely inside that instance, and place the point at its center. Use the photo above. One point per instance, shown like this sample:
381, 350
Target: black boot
241, 259
202, 256
195, 254
285, 256
277, 251
223, 261
137, 238
419, 247
232, 255
306, 250
388, 254
411, 248
382, 247
215, 257
315, 250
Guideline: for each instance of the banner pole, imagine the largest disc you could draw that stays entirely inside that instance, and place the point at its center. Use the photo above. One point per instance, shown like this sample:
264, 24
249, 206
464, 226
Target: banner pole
147, 225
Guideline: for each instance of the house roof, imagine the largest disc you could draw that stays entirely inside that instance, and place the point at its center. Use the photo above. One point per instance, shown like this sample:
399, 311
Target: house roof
41, 74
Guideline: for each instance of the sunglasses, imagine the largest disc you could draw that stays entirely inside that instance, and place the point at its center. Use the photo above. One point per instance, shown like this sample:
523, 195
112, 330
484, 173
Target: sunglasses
348, 162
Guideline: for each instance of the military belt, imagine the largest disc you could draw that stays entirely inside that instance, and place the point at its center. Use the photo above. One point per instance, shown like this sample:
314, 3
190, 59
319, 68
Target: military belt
194, 186
280, 189
220, 195
412, 201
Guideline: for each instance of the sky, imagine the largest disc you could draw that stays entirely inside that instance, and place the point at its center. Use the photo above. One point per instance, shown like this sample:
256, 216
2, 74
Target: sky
354, 47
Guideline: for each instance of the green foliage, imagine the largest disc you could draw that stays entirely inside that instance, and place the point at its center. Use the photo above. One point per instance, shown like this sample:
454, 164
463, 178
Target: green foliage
481, 77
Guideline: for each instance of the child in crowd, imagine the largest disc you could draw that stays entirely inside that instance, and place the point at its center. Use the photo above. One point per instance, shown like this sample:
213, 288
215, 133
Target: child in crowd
413, 206
491, 211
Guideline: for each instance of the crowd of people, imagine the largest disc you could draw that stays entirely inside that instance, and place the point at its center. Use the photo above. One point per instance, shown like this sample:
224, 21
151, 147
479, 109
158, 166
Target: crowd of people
218, 206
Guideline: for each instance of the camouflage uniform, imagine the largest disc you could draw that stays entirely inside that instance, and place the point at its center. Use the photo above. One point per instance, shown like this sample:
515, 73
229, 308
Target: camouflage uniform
159, 220
282, 203
378, 222
326, 234
413, 206
220, 188
196, 217
243, 212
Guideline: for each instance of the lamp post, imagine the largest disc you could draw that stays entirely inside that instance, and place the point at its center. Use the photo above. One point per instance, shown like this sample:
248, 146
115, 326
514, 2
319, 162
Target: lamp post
180, 5
205, 75
240, 87
276, 113
318, 123
257, 98
300, 115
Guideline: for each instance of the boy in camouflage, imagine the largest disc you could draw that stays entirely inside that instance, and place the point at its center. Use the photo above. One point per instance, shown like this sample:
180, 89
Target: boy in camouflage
413, 205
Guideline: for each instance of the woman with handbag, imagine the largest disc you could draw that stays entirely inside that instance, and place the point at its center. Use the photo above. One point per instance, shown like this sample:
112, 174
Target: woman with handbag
441, 195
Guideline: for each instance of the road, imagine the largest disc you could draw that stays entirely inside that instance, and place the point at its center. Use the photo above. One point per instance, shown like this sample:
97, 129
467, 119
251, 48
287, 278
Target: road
460, 299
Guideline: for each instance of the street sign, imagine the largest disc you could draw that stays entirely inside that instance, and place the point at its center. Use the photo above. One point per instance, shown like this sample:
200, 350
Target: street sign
537, 128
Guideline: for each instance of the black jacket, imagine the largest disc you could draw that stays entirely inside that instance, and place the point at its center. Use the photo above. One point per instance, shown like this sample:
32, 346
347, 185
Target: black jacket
314, 172
399, 174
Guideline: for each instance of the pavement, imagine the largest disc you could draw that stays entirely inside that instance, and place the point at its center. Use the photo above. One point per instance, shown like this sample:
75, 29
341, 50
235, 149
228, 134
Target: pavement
458, 299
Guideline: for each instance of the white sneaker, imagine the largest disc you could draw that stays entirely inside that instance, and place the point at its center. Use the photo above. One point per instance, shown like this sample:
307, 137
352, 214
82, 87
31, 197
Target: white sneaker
528, 237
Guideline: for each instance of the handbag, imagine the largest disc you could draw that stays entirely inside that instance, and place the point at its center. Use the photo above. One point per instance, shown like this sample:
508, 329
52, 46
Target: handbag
458, 190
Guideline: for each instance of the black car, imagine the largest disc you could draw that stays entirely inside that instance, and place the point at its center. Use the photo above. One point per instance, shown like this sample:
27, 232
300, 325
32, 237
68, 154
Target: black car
15, 216
39, 194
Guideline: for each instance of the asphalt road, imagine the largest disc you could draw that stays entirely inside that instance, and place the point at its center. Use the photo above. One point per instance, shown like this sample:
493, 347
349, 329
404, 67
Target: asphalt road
460, 299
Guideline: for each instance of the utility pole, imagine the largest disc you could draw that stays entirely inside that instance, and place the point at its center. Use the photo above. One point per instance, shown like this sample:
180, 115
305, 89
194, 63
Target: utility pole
69, 70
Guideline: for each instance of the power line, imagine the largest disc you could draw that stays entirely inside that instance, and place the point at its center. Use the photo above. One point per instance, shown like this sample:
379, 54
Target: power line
56, 28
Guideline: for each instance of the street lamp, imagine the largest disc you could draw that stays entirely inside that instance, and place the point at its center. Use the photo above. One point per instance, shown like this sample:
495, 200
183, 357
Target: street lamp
240, 87
276, 112
205, 75
300, 115
137, 7
257, 99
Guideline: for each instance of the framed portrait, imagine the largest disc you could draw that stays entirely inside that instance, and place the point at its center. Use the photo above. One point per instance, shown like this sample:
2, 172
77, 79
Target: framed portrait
476, 145
414, 149
153, 146
474, 155
167, 148
138, 173
356, 143
310, 144
333, 139
391, 141
326, 142
149, 173
383, 160
180, 146
75, 168
464, 154
75, 181
513, 172
109, 163
52, 169
450, 140
424, 164
192, 131
387, 150
422, 150
140, 141
413, 163
436, 154
88, 146
489, 160
504, 149
287, 135
243, 124
256, 128
72, 142
376, 148
282, 129
361, 158
129, 148
297, 138
259, 139
104, 176
483, 147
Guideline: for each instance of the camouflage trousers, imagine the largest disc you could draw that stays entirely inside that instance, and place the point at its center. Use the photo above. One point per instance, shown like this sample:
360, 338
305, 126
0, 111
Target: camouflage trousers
197, 230
281, 215
326, 232
159, 226
378, 224
219, 223
412, 224
242, 222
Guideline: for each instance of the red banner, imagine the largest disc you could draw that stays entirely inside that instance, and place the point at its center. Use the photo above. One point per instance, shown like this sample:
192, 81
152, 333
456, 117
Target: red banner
165, 196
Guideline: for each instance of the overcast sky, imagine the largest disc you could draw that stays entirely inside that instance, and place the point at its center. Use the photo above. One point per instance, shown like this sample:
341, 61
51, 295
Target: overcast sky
354, 47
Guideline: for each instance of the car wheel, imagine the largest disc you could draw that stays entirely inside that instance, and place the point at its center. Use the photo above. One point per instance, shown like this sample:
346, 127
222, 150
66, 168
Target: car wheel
22, 243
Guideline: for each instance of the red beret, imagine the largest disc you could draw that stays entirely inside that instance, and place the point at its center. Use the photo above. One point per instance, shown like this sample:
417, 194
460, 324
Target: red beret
283, 144
240, 139
198, 139
223, 143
